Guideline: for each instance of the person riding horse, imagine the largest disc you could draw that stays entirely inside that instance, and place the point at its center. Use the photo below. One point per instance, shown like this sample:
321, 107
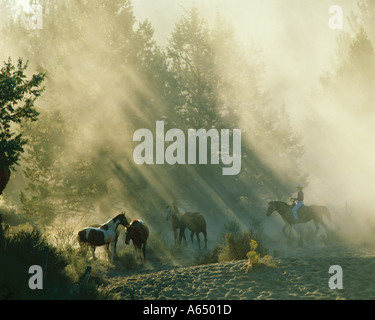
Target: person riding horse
299, 200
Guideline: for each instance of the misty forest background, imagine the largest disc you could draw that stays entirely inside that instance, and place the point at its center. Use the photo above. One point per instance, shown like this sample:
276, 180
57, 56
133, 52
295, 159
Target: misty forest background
106, 77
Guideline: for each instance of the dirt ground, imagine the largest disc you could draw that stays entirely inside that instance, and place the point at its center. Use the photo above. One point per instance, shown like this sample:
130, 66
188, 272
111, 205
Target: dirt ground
299, 272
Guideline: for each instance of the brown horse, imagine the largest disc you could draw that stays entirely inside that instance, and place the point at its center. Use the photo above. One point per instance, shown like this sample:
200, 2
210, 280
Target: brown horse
195, 222
138, 232
305, 214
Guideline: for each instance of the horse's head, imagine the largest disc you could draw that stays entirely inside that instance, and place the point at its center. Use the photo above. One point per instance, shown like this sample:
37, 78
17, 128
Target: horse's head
122, 219
271, 208
129, 233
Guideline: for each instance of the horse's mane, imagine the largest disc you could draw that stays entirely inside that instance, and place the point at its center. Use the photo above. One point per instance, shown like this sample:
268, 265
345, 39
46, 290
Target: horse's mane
105, 225
175, 208
175, 211
133, 222
282, 203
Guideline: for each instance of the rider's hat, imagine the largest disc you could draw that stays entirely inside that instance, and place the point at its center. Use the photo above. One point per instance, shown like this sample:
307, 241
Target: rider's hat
299, 186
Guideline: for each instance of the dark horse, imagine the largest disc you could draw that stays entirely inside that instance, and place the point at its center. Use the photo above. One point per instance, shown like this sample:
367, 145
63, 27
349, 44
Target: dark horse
305, 214
194, 221
138, 232
103, 235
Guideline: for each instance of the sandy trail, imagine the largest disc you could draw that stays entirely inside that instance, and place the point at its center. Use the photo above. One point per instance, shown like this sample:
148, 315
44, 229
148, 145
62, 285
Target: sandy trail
299, 273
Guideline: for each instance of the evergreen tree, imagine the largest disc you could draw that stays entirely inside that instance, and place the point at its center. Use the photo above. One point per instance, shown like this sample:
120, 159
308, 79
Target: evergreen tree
58, 185
353, 77
101, 68
193, 80
215, 85
17, 98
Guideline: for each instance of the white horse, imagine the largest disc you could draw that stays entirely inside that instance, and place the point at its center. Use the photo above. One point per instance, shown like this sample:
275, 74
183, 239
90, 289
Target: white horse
103, 235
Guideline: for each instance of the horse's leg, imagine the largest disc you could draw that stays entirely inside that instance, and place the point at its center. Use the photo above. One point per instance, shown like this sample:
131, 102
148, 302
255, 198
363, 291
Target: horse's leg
144, 251
139, 254
182, 235
324, 225
106, 248
191, 236
83, 247
199, 242
316, 226
296, 234
285, 226
93, 251
205, 239
175, 236
113, 249
291, 230
136, 250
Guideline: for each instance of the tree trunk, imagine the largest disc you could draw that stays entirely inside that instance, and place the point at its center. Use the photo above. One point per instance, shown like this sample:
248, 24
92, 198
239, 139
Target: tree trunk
4, 178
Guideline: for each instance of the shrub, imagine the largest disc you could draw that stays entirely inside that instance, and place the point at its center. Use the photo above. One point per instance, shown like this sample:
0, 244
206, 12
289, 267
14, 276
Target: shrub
254, 258
27, 248
235, 247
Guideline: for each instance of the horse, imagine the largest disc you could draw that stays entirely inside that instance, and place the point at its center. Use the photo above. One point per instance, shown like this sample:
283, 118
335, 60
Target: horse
305, 214
194, 221
175, 216
138, 232
118, 231
103, 235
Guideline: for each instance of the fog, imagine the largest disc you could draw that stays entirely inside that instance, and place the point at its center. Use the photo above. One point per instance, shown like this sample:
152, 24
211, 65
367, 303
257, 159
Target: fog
297, 47
289, 44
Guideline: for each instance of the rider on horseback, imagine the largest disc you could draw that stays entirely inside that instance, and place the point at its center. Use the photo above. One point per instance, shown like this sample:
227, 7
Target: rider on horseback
299, 200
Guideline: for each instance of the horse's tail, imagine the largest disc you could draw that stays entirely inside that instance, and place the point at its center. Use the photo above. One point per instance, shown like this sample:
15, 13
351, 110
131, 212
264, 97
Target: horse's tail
81, 236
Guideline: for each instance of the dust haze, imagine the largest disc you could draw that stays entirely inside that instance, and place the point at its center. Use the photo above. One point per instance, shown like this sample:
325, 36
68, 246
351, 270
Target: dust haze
287, 80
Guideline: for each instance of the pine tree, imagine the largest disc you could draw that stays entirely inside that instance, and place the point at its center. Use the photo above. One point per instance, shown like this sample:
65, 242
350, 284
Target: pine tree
353, 77
17, 98
193, 80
